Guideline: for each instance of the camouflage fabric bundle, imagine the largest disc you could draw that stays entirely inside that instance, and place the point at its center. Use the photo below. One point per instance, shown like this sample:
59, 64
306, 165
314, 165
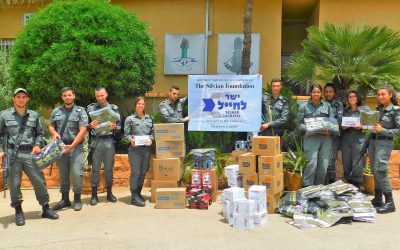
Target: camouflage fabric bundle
203, 158
324, 206
49, 154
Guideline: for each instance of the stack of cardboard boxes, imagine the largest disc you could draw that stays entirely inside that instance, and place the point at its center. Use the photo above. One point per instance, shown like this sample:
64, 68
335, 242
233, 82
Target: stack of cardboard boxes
167, 166
264, 166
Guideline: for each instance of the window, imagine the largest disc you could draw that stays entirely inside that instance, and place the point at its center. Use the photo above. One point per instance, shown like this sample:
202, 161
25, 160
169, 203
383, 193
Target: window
6, 44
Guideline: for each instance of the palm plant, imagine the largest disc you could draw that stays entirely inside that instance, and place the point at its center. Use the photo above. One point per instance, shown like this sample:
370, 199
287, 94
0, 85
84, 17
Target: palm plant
357, 58
295, 161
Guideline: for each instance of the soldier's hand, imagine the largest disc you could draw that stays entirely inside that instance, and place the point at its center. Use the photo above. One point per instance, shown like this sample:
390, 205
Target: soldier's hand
94, 124
36, 150
133, 142
264, 127
325, 131
56, 136
67, 149
149, 142
359, 126
1, 157
113, 126
378, 128
186, 119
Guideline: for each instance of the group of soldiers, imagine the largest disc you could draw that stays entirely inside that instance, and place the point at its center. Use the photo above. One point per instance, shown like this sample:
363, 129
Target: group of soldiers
22, 131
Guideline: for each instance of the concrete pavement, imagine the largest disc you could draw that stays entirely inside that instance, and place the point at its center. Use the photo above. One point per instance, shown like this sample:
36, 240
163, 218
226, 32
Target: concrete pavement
123, 226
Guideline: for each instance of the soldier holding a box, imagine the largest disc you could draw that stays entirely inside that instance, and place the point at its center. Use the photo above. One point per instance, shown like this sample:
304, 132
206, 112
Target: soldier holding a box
317, 146
139, 128
69, 123
23, 133
275, 111
171, 110
102, 144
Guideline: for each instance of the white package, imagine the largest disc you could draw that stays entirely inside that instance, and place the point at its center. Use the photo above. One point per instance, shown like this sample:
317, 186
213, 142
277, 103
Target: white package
233, 193
260, 218
257, 193
243, 222
244, 207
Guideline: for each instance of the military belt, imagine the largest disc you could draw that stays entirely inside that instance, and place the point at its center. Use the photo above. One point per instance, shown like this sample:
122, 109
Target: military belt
22, 147
69, 142
106, 136
381, 137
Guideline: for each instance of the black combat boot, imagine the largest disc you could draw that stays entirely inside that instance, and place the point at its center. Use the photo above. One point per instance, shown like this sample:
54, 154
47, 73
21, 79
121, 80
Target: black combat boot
388, 207
19, 216
77, 202
94, 200
136, 201
377, 201
49, 213
63, 203
110, 196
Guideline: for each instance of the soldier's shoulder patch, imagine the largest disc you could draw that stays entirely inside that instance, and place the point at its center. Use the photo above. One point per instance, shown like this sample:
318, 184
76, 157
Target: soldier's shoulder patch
113, 106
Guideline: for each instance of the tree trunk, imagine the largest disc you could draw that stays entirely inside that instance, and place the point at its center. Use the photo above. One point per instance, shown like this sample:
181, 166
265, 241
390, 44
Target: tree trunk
247, 37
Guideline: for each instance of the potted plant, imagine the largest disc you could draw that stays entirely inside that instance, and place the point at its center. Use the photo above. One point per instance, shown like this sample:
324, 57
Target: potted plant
368, 180
294, 163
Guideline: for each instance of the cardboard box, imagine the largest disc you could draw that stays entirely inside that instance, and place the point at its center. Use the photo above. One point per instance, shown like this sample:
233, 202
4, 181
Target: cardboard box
257, 193
236, 153
168, 169
244, 207
270, 165
243, 222
272, 202
260, 218
273, 183
196, 179
171, 198
169, 132
170, 149
247, 163
160, 184
233, 193
266, 145
249, 180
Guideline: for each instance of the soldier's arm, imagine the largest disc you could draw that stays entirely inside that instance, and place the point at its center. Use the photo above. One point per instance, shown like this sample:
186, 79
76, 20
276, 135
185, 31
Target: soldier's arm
282, 119
396, 130
118, 124
183, 100
128, 128
152, 129
165, 116
83, 126
39, 132
300, 118
2, 134
264, 109
53, 127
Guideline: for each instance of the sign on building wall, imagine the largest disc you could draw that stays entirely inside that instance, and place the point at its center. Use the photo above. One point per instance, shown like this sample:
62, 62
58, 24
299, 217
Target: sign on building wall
225, 103
230, 48
26, 17
184, 54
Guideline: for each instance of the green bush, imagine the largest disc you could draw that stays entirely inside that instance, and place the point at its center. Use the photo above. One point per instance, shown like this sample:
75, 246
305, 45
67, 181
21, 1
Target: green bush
83, 44
5, 81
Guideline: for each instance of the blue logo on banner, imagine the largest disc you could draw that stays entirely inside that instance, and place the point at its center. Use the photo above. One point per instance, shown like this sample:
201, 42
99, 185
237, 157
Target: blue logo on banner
209, 104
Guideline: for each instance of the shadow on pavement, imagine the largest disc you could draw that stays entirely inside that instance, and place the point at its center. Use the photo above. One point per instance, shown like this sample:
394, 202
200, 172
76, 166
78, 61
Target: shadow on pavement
10, 219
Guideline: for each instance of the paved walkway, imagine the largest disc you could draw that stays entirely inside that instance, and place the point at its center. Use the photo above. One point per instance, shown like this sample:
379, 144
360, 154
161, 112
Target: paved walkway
123, 226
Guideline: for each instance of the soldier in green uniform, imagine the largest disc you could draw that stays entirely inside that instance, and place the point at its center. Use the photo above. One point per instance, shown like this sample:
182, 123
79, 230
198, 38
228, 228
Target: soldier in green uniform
171, 109
337, 109
69, 122
103, 147
22, 131
139, 124
352, 140
381, 145
275, 111
317, 146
